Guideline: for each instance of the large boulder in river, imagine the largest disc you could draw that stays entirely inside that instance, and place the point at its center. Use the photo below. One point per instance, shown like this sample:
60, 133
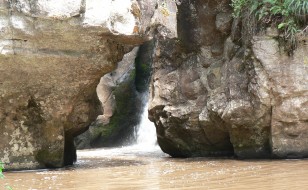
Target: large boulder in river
219, 90
52, 56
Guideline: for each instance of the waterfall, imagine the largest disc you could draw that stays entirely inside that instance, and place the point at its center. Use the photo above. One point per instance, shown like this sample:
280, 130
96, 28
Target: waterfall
146, 132
145, 143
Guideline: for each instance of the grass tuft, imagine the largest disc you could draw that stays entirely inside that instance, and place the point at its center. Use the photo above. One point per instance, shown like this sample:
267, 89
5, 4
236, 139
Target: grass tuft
289, 16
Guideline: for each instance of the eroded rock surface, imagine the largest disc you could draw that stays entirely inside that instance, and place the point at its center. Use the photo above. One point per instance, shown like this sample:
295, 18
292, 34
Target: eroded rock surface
52, 55
286, 91
215, 91
122, 94
121, 106
186, 71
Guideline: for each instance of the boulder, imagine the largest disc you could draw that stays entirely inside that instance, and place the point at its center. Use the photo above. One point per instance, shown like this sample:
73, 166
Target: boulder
52, 56
216, 91
187, 71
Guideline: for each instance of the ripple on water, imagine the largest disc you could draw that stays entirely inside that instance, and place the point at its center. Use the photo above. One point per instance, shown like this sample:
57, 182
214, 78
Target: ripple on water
126, 168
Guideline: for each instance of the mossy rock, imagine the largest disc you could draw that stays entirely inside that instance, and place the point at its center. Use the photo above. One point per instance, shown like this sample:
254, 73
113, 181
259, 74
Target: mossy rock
126, 116
49, 158
143, 65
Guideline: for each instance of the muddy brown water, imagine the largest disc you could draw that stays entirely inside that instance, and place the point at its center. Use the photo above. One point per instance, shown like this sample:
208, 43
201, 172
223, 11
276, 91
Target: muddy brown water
132, 168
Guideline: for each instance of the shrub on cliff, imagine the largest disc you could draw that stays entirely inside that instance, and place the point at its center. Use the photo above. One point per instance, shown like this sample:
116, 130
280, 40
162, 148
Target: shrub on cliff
289, 16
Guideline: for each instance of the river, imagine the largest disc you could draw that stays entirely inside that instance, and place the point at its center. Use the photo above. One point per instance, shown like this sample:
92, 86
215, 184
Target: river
144, 166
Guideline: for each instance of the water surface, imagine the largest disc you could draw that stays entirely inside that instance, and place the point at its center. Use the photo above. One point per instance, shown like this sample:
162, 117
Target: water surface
144, 166
135, 168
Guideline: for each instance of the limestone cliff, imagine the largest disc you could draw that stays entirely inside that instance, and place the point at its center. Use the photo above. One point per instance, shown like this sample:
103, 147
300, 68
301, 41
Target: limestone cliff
122, 91
52, 55
217, 88
220, 89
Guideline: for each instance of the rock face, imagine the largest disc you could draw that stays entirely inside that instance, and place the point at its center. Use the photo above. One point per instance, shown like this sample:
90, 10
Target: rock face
121, 107
52, 55
121, 94
216, 89
283, 87
213, 92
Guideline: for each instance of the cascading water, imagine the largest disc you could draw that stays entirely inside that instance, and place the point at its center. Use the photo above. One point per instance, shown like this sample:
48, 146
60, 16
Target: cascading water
146, 133
145, 143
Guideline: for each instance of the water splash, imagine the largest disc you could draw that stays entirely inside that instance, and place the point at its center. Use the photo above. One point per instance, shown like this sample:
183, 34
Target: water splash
145, 144
146, 132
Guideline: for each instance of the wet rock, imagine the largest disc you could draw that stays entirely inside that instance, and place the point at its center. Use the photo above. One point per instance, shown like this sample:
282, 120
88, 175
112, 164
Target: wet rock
120, 93
121, 78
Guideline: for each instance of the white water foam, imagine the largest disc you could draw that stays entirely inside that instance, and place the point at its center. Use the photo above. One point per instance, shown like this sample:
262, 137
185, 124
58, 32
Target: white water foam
145, 145
146, 132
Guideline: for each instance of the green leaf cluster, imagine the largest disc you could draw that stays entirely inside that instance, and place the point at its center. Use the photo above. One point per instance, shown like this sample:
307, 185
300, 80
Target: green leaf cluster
1, 169
289, 16
238, 6
2, 176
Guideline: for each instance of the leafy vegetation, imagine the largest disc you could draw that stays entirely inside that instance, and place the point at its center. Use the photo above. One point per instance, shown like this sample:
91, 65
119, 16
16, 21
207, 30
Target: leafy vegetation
1, 169
2, 176
289, 16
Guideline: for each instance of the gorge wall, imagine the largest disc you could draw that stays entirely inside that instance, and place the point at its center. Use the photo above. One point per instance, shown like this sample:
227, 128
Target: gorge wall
122, 92
221, 88
218, 88
53, 54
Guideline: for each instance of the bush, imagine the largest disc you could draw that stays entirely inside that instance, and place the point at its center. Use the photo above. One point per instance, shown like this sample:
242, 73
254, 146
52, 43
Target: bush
1, 169
289, 16
2, 176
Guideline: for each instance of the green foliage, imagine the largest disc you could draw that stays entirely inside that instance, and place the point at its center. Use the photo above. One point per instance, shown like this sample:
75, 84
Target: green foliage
1, 169
297, 7
238, 6
287, 15
2, 176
